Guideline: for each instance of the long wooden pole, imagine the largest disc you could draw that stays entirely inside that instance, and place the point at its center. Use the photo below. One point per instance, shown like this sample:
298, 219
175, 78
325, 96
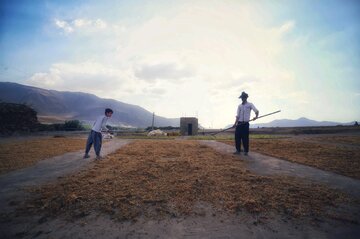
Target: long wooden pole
249, 121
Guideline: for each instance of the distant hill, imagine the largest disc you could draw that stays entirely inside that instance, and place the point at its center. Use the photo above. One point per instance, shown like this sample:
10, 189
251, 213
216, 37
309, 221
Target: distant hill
77, 105
301, 122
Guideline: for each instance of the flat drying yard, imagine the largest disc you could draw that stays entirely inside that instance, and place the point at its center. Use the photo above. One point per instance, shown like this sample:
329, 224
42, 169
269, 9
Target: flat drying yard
17, 154
338, 154
149, 188
167, 178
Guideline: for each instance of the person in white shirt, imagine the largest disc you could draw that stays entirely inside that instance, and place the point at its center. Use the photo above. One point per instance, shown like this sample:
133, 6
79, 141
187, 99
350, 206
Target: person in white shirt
242, 123
95, 136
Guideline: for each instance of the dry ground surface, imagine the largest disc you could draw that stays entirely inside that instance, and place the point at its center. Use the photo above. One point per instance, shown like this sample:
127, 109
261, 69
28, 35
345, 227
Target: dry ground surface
183, 189
336, 153
151, 180
346, 140
16, 154
173, 177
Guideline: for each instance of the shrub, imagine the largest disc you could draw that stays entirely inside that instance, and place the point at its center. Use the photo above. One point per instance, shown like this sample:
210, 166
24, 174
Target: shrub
17, 118
73, 125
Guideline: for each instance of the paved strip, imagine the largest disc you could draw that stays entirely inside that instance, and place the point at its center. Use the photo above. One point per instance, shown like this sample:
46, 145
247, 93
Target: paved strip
266, 165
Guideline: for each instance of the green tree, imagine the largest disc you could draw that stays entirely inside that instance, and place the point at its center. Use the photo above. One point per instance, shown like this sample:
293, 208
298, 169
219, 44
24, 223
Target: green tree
17, 118
73, 125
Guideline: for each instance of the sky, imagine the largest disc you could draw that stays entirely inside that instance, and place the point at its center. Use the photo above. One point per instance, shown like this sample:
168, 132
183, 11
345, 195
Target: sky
191, 58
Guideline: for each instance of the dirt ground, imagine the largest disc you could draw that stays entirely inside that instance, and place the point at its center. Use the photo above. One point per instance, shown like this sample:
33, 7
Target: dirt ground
173, 177
335, 153
23, 153
180, 189
168, 182
345, 140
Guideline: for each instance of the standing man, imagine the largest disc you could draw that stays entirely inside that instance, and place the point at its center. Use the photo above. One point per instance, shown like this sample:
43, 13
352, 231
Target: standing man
95, 136
242, 123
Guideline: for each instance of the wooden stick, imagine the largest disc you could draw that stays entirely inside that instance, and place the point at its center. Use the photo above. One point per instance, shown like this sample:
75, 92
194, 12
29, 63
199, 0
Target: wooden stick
248, 121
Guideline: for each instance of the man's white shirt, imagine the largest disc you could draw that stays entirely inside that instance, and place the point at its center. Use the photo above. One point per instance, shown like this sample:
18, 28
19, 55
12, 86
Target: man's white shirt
100, 123
244, 110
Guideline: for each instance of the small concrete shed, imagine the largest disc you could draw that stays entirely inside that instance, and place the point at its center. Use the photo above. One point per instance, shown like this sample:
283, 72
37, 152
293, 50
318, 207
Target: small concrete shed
189, 126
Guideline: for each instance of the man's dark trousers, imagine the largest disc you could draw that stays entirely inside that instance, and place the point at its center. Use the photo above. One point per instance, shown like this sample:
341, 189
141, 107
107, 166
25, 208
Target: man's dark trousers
242, 134
96, 139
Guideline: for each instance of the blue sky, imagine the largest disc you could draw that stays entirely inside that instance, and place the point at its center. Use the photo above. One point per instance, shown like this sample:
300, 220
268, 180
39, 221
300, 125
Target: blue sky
191, 58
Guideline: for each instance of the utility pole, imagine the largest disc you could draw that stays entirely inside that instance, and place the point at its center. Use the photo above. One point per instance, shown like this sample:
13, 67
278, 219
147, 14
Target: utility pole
152, 125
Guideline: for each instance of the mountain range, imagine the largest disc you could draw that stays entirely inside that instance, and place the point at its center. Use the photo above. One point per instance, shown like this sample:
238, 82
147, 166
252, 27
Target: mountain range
53, 105
62, 105
301, 122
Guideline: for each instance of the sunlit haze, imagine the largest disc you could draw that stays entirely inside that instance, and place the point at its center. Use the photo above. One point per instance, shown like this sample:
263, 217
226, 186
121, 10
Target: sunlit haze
191, 58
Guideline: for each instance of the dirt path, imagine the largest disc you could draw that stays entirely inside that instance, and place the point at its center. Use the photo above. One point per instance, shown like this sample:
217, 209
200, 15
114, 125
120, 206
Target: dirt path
243, 226
13, 183
266, 165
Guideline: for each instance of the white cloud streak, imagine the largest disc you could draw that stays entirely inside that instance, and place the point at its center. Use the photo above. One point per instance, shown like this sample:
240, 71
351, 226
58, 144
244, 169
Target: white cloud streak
63, 25
86, 76
287, 27
83, 24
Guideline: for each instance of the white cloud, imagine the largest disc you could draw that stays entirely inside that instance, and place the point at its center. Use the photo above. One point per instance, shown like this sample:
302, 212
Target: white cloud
65, 26
100, 23
214, 50
83, 24
287, 27
154, 92
85, 76
164, 71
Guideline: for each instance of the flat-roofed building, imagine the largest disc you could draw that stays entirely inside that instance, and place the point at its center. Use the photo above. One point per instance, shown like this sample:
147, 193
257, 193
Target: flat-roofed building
189, 126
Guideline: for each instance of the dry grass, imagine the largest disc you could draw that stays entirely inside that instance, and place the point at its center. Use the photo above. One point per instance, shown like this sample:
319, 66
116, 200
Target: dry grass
320, 152
24, 153
344, 140
168, 178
